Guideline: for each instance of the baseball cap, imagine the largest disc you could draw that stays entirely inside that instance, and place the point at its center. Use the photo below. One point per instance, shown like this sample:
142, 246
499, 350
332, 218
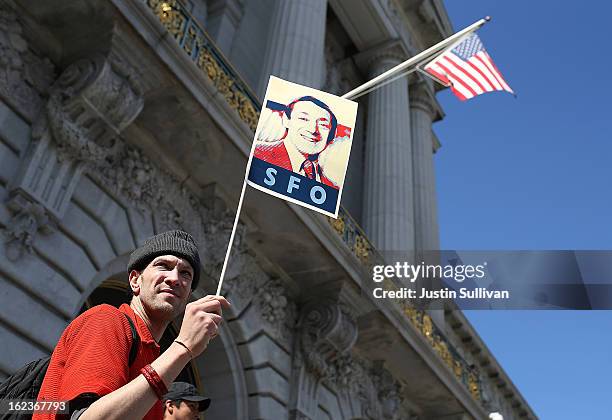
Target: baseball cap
186, 392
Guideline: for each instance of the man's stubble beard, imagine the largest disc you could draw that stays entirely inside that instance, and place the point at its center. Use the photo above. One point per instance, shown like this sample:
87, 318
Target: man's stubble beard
161, 310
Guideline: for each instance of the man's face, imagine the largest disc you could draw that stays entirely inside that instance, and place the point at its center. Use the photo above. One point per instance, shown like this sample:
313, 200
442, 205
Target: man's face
308, 127
186, 410
164, 286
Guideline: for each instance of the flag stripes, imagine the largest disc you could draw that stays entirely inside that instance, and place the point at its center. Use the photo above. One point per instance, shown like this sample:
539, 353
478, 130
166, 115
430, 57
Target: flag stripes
468, 69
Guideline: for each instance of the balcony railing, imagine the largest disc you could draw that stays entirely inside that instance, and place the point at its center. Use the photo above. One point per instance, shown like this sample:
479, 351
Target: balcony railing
357, 241
196, 43
198, 46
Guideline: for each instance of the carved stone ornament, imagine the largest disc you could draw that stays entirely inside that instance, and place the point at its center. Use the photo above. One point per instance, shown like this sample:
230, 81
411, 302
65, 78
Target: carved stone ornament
327, 334
89, 105
23, 73
276, 308
389, 391
131, 175
368, 395
218, 230
379, 393
28, 219
79, 127
244, 286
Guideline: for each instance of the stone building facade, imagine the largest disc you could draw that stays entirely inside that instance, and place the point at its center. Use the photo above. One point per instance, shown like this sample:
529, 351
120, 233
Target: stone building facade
122, 118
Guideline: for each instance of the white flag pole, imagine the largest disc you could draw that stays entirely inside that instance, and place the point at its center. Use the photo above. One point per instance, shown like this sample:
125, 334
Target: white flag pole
385, 82
416, 59
417, 67
231, 240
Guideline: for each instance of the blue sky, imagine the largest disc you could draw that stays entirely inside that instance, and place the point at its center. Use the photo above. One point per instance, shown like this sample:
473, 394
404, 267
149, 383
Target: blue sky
534, 173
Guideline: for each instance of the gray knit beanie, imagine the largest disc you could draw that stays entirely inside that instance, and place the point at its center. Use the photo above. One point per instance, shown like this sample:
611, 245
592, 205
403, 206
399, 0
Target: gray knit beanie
173, 242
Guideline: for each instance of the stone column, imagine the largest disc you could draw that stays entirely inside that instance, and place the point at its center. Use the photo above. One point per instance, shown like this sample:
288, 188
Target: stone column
296, 43
425, 203
387, 211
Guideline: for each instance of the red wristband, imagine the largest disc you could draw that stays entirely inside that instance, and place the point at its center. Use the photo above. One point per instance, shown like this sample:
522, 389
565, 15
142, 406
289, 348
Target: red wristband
159, 387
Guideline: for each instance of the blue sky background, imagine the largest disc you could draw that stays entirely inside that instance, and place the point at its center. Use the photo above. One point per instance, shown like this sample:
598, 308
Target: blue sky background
534, 173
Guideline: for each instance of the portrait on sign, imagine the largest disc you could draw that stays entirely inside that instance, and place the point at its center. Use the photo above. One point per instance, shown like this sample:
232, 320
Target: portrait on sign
302, 145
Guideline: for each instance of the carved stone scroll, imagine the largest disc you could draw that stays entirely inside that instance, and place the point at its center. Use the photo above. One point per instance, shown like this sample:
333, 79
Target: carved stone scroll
89, 105
327, 333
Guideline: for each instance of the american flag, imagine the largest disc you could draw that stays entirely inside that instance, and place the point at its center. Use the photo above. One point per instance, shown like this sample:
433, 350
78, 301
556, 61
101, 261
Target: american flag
468, 69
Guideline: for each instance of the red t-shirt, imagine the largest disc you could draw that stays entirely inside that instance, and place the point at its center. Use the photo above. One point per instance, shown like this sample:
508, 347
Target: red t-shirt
92, 357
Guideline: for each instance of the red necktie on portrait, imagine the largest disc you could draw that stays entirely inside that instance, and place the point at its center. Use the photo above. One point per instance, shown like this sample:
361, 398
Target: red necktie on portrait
309, 169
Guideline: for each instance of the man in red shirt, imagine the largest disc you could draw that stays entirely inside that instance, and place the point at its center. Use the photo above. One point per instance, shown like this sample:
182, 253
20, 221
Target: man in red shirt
89, 366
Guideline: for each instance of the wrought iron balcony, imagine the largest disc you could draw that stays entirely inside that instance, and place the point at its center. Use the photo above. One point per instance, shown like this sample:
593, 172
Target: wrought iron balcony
196, 43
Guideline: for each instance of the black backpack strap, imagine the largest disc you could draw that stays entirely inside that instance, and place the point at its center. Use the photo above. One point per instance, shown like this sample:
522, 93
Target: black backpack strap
135, 342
